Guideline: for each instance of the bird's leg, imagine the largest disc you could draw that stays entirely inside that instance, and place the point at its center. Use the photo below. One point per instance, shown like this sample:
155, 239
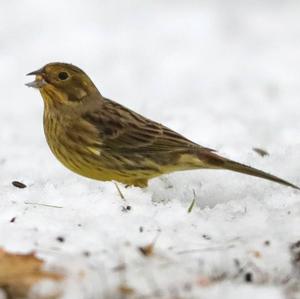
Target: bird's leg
126, 207
119, 191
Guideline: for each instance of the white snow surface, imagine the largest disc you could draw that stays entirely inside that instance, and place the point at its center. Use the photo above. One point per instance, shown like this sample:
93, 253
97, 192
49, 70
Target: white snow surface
226, 74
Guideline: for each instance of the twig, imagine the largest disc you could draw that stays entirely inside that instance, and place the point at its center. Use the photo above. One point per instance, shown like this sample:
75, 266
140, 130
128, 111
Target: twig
216, 248
42, 204
192, 203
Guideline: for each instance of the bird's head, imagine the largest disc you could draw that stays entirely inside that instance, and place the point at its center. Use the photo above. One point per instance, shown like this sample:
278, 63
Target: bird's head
62, 83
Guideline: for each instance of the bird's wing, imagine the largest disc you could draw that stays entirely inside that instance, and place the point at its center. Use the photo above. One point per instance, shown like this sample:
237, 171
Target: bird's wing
124, 130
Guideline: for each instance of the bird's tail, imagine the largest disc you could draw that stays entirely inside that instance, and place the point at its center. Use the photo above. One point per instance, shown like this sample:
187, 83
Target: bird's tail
238, 167
219, 162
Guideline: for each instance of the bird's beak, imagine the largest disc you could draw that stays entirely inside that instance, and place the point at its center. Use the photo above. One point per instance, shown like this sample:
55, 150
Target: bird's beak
39, 80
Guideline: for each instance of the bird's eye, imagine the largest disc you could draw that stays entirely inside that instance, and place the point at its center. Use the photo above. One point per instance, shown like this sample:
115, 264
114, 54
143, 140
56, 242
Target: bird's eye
63, 75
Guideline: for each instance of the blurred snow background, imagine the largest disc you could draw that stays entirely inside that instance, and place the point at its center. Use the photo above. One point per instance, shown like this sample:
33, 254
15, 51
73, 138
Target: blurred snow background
225, 74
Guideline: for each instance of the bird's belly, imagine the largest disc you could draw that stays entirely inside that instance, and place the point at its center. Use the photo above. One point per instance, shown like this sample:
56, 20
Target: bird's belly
100, 167
82, 164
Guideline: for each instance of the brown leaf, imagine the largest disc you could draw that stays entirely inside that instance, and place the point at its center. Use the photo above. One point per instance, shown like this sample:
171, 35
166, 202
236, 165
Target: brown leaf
256, 253
19, 272
126, 290
204, 281
147, 250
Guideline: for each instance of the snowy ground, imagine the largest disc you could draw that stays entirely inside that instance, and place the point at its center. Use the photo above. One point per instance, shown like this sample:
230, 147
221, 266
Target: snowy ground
225, 74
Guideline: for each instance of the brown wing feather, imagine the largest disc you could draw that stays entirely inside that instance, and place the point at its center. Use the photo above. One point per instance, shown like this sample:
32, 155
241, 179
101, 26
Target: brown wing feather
124, 130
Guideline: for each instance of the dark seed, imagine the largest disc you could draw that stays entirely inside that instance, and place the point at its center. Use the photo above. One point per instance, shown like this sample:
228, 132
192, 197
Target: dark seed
12, 219
237, 263
126, 208
206, 237
86, 253
248, 277
19, 184
261, 151
60, 239
120, 267
296, 245
187, 287
141, 229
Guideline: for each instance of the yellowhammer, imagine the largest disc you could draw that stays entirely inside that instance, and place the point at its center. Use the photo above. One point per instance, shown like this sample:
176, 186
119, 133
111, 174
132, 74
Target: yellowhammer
101, 139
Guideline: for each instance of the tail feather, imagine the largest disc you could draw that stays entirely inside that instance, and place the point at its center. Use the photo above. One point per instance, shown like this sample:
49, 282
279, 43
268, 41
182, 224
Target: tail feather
238, 167
213, 160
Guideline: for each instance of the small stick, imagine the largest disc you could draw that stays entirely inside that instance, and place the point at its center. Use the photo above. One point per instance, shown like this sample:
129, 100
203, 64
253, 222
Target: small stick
192, 203
42, 204
206, 249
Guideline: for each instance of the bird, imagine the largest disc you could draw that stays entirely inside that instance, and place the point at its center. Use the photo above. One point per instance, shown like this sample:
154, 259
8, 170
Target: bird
101, 139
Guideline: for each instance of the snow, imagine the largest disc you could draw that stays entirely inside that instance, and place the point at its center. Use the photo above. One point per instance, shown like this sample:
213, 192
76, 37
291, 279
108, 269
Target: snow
223, 73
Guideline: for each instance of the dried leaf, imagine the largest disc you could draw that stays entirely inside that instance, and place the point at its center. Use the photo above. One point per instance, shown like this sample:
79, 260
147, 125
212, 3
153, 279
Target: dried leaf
19, 272
126, 290
256, 253
148, 250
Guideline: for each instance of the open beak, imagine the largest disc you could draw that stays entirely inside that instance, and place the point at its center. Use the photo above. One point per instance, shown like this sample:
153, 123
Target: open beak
39, 80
